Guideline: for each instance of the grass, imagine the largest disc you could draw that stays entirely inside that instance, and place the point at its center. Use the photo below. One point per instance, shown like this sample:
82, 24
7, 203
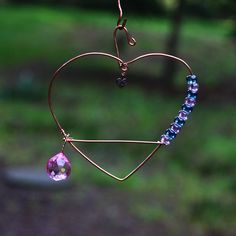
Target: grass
194, 176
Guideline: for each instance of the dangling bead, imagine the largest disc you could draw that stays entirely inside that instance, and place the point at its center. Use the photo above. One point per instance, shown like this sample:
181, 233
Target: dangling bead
121, 82
58, 167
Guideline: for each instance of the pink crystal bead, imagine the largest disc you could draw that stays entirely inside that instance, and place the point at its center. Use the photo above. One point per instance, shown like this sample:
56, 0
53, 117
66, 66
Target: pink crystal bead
183, 115
58, 167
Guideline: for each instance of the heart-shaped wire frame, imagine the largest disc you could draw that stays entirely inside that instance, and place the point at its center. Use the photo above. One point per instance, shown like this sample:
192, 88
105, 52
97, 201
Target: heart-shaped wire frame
72, 141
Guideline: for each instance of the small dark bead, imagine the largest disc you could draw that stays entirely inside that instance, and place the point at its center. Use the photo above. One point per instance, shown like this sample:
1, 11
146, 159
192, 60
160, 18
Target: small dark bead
121, 82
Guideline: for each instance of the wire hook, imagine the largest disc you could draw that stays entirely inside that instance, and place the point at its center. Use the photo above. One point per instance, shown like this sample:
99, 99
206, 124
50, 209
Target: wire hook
122, 26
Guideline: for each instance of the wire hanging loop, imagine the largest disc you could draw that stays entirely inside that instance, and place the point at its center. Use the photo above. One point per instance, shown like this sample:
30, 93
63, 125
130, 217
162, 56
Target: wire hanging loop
122, 26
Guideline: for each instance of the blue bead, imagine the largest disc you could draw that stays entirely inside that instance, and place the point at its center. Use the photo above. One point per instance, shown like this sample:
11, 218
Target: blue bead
170, 134
179, 122
191, 79
191, 95
188, 110
193, 88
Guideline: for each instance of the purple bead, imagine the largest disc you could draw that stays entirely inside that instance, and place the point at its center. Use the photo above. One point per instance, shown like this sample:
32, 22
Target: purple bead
175, 128
183, 115
165, 140
190, 102
193, 87
58, 167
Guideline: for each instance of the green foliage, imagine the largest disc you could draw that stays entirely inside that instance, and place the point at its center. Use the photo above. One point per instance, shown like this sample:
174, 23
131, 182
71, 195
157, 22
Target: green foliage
194, 177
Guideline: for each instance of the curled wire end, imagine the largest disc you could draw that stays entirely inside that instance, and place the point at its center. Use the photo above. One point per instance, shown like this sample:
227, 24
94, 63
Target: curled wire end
132, 41
121, 25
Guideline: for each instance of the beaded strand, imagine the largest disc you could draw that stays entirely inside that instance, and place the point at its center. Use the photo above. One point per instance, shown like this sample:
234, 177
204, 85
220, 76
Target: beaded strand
186, 109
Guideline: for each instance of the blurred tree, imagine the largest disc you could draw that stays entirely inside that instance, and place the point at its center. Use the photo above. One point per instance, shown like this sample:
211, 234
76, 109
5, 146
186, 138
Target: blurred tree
177, 12
227, 10
221, 9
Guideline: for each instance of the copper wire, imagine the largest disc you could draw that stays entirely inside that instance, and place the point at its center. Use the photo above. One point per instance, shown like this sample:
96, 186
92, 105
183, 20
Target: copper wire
123, 67
121, 13
107, 172
110, 141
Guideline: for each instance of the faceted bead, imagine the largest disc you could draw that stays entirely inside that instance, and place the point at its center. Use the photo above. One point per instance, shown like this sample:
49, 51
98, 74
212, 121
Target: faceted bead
165, 140
183, 115
179, 122
188, 110
170, 134
191, 79
193, 87
58, 167
190, 102
121, 82
175, 128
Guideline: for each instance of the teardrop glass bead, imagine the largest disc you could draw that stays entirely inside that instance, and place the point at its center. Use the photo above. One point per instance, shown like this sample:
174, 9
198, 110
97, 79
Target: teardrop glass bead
58, 167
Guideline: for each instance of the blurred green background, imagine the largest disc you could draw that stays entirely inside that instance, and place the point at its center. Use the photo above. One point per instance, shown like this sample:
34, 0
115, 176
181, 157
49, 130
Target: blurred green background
189, 187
